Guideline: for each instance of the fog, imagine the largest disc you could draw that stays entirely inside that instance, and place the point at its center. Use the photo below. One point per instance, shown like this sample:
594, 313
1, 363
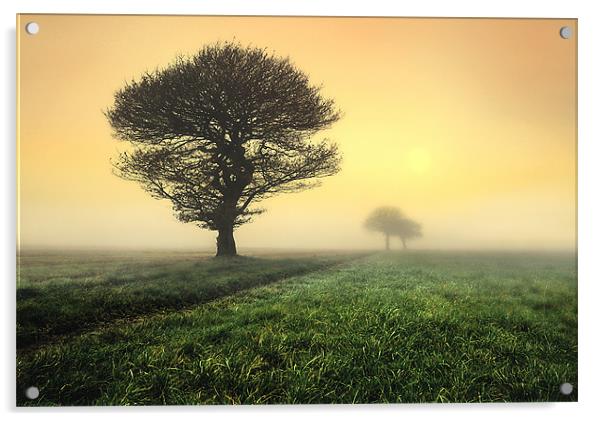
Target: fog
461, 127
528, 221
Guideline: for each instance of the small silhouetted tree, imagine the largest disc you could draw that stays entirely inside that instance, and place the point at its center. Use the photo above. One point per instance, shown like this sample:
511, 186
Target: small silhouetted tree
221, 130
384, 220
408, 229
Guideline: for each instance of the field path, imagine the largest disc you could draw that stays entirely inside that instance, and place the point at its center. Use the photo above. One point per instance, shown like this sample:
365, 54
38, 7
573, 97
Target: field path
65, 296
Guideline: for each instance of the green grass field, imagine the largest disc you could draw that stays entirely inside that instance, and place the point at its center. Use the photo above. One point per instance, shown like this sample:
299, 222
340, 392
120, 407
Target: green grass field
178, 328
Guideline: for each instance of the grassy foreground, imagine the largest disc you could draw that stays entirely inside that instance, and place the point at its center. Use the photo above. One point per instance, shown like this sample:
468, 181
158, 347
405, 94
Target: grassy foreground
399, 327
61, 293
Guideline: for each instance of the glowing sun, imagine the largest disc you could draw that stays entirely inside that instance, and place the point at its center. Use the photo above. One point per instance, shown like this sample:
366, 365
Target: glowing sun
418, 160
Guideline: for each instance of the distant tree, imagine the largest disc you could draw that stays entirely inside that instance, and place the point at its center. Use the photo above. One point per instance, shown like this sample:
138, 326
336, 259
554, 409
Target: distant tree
221, 130
385, 220
390, 221
408, 229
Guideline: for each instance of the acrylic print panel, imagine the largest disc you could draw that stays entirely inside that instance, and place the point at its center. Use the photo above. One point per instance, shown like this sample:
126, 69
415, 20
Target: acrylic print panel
258, 210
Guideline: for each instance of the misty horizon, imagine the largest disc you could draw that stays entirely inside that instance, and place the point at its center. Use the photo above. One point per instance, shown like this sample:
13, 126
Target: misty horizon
481, 155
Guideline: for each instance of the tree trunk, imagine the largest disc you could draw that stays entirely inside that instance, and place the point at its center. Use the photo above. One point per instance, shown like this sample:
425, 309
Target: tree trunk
403, 241
225, 241
387, 241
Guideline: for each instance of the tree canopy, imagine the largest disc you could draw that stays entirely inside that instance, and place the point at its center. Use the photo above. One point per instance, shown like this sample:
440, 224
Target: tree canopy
216, 132
408, 229
390, 221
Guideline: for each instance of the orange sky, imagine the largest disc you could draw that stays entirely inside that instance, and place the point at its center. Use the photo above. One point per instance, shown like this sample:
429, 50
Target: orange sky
467, 125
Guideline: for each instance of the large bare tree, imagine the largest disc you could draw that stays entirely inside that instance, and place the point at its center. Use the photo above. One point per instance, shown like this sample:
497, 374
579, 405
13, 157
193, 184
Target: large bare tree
221, 130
